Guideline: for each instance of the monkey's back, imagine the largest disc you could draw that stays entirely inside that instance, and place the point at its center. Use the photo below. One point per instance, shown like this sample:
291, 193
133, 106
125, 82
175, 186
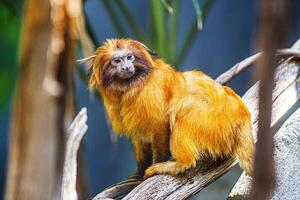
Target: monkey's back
212, 117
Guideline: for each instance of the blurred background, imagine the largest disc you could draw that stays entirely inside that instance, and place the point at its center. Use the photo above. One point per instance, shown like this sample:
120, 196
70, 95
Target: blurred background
210, 36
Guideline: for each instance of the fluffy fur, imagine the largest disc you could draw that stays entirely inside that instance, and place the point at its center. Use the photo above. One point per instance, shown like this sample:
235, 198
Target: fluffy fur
163, 112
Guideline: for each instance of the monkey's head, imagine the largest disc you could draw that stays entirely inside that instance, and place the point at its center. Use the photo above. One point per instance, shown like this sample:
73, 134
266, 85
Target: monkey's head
121, 64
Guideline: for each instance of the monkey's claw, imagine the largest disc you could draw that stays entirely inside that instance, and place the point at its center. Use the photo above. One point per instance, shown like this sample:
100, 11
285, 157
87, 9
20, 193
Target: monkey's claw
153, 170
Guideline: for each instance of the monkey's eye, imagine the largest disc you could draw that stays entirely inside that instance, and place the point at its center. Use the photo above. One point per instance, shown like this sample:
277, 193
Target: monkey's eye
116, 61
130, 57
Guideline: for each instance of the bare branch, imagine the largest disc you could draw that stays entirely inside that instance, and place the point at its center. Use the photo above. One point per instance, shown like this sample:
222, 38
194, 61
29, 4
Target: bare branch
238, 68
273, 31
252, 60
119, 190
286, 154
75, 133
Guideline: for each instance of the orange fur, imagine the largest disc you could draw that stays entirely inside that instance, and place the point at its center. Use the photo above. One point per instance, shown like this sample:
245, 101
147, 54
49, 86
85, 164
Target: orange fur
186, 114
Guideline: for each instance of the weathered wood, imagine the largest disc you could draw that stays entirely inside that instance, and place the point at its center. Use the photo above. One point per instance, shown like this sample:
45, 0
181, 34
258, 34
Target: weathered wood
168, 187
287, 164
75, 133
250, 61
33, 125
118, 190
242, 187
272, 33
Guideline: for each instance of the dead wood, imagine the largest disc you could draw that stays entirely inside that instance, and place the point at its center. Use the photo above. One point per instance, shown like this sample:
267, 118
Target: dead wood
75, 133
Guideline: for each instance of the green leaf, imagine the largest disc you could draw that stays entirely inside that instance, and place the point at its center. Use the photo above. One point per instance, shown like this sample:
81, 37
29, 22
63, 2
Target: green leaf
14, 7
9, 37
114, 18
130, 20
192, 33
158, 26
198, 14
172, 31
7, 83
90, 31
167, 6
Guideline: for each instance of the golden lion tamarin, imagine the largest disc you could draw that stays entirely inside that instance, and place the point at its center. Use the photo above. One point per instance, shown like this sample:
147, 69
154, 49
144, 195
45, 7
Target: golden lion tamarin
164, 112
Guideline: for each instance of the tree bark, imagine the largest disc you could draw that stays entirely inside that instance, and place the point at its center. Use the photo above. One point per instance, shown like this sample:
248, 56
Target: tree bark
43, 103
75, 133
287, 164
273, 31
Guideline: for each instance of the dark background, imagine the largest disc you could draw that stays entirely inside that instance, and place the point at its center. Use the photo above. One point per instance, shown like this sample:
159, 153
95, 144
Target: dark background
228, 36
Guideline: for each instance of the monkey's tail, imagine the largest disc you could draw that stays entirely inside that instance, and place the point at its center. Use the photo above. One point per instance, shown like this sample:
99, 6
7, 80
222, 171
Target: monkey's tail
245, 150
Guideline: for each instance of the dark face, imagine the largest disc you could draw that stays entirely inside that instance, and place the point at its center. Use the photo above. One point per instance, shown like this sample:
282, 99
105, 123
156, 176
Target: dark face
125, 70
122, 61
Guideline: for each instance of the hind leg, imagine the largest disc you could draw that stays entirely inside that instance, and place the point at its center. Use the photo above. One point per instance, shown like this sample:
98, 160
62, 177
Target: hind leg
183, 151
160, 148
143, 155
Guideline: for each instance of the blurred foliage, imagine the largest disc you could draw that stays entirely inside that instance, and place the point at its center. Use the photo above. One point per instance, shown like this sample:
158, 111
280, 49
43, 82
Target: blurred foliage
163, 23
164, 26
9, 34
13, 6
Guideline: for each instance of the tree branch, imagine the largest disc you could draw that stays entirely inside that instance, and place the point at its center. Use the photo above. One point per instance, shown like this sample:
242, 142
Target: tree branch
286, 152
75, 133
242, 188
273, 30
252, 60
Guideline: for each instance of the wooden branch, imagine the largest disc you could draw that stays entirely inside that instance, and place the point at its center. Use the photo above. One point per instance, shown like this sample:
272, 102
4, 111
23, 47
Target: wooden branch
238, 68
286, 155
166, 186
119, 190
75, 133
271, 35
242, 188
252, 60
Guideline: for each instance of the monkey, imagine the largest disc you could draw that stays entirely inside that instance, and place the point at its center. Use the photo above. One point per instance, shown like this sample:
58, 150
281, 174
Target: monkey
169, 114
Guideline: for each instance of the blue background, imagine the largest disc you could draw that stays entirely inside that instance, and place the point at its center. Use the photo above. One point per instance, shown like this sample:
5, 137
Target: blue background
228, 36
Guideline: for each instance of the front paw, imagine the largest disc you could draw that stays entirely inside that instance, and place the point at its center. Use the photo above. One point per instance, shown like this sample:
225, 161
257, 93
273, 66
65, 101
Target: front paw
169, 167
153, 170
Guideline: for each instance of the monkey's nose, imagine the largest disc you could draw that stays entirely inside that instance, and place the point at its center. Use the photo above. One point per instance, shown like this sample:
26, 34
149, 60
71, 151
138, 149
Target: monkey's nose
126, 68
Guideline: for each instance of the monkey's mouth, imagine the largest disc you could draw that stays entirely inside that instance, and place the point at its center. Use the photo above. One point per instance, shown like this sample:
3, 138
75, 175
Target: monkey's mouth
131, 77
126, 75
125, 79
